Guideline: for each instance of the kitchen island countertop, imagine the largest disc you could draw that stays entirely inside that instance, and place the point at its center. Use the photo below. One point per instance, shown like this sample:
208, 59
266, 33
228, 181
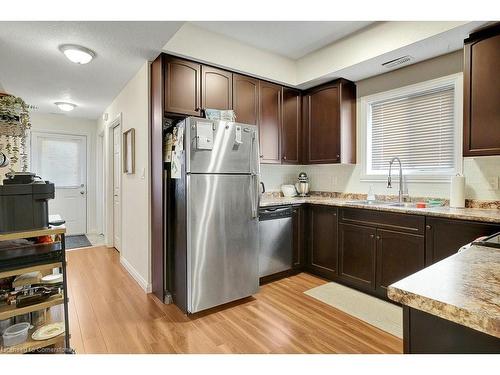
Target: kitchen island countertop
463, 288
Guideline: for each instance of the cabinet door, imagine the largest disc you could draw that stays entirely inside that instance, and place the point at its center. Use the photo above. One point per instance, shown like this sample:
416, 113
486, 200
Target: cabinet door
323, 125
444, 237
298, 255
182, 87
246, 99
398, 255
291, 133
482, 96
323, 241
357, 255
269, 122
216, 88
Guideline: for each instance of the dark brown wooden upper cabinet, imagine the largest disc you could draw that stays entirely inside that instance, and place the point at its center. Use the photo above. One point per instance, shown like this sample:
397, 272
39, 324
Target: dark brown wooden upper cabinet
182, 87
330, 123
269, 122
246, 99
291, 135
482, 93
216, 88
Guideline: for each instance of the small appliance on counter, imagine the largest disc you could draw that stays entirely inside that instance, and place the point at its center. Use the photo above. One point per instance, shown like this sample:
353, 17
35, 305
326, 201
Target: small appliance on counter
302, 185
288, 190
24, 202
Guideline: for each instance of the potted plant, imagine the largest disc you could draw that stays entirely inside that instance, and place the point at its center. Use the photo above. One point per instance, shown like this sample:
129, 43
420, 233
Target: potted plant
14, 127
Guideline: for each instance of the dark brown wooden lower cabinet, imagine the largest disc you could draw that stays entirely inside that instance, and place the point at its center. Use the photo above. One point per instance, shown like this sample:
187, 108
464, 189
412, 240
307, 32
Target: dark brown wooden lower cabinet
398, 255
357, 255
298, 241
424, 333
444, 237
323, 241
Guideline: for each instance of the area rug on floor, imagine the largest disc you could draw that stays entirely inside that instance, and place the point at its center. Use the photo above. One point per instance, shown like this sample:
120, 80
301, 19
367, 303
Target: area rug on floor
381, 314
76, 241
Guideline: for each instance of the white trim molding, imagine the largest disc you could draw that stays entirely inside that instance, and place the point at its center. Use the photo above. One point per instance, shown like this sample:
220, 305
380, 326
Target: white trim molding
364, 110
135, 275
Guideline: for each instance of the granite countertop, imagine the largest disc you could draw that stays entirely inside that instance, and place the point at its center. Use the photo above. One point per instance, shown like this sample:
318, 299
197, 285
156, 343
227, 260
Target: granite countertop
463, 288
473, 214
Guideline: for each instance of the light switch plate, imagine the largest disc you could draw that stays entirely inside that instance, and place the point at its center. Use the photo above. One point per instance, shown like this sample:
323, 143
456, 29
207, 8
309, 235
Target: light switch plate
493, 183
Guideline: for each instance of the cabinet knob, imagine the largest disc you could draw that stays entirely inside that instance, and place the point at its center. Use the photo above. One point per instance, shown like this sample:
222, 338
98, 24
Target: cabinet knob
197, 109
428, 227
378, 237
372, 236
338, 156
261, 156
284, 157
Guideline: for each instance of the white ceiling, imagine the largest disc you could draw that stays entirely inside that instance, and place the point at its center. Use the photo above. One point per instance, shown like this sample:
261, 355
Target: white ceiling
292, 39
33, 68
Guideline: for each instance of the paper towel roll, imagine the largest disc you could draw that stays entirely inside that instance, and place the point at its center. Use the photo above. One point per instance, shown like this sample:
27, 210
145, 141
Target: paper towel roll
457, 192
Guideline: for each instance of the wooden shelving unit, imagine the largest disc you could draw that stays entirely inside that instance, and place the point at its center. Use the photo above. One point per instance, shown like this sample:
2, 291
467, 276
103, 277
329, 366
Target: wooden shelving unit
10, 311
37, 262
31, 345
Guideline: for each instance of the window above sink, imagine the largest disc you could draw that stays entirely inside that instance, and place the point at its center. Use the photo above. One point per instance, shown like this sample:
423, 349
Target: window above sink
420, 123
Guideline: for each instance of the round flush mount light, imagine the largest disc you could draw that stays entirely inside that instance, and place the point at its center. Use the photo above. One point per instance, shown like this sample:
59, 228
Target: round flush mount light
77, 54
64, 106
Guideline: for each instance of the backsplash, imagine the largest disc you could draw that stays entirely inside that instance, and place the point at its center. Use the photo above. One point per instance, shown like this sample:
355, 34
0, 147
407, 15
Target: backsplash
347, 178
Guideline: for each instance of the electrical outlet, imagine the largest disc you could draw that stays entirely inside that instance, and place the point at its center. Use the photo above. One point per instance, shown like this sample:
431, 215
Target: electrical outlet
493, 183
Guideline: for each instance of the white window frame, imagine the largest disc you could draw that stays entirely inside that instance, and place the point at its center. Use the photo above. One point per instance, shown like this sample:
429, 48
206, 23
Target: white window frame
364, 113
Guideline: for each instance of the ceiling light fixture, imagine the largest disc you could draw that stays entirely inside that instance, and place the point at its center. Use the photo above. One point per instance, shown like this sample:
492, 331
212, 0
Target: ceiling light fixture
66, 107
77, 54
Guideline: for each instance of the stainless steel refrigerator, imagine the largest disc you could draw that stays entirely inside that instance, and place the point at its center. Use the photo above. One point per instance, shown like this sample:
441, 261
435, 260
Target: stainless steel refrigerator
215, 214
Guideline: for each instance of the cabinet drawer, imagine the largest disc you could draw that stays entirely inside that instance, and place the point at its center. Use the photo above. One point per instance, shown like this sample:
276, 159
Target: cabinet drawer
386, 220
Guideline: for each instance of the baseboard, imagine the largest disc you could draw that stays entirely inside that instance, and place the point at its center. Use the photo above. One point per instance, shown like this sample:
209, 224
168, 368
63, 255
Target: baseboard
135, 275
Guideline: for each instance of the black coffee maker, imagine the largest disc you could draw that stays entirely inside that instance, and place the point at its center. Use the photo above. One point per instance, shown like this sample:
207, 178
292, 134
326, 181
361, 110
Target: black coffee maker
24, 202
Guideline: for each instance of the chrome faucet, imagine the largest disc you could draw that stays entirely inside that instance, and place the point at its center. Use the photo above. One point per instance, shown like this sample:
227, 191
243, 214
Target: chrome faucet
389, 180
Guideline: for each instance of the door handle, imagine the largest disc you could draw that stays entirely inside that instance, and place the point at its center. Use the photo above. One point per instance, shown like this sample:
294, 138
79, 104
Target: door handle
256, 196
82, 192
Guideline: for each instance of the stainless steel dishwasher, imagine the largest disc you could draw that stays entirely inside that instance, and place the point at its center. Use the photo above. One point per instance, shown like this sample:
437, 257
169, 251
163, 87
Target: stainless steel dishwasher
275, 225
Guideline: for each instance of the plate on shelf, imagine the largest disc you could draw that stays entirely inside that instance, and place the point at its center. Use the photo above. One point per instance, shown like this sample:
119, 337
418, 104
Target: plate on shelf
48, 331
52, 279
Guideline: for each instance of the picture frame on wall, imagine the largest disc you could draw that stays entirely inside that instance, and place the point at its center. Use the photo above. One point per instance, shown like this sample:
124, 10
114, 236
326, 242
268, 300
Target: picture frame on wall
129, 151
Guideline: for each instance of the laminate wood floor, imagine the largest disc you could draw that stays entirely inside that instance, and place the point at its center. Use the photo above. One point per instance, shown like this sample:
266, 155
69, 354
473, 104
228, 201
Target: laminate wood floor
110, 313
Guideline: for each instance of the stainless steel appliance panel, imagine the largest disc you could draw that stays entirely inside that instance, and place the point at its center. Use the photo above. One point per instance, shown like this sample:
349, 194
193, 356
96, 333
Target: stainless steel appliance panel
223, 239
221, 147
275, 228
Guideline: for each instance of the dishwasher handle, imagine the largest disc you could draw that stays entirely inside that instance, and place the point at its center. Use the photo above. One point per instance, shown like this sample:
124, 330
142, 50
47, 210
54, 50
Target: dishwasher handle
270, 213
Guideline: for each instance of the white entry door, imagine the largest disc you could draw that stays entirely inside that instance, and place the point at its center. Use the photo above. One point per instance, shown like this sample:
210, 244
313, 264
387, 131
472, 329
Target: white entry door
62, 159
117, 170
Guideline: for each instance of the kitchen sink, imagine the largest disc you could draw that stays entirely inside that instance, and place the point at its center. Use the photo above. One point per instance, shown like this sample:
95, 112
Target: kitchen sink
403, 204
374, 203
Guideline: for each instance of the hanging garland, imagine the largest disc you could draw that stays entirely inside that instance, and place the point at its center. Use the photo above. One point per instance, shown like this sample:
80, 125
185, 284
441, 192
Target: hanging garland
14, 126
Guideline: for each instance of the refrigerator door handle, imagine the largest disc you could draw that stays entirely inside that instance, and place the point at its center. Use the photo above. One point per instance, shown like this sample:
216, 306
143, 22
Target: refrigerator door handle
256, 197
255, 177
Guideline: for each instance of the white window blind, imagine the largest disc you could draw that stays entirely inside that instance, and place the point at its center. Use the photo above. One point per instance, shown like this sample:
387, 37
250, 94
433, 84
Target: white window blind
418, 128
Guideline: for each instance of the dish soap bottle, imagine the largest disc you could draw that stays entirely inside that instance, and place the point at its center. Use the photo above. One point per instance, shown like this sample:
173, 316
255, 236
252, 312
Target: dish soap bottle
371, 194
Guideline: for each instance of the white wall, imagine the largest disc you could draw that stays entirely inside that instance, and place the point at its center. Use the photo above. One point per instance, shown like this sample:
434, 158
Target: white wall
132, 104
202, 45
346, 178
